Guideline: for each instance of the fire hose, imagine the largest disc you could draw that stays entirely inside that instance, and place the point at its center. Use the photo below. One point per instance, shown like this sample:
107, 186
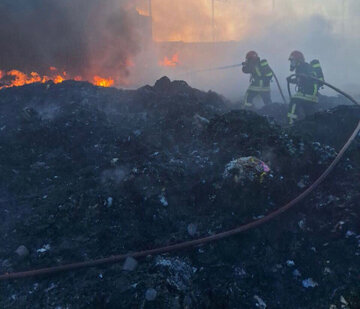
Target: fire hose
216, 69
278, 84
236, 66
321, 82
204, 240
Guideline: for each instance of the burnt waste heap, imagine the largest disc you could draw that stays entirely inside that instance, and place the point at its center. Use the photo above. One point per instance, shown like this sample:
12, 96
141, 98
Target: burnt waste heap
89, 172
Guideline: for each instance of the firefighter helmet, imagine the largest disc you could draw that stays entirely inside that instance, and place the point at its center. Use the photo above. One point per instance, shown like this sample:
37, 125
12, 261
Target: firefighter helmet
297, 56
252, 55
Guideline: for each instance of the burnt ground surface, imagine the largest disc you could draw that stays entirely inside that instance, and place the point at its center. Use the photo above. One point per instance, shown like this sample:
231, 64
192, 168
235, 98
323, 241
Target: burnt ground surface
88, 172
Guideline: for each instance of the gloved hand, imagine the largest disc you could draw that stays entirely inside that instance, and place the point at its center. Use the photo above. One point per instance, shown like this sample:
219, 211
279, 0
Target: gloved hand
291, 80
245, 68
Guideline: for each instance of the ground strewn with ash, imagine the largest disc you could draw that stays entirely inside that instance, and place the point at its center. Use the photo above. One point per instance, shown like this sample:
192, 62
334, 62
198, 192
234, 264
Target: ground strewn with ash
88, 172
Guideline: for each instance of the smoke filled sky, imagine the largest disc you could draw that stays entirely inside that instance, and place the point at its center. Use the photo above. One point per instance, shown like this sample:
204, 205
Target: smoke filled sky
106, 37
322, 29
83, 37
188, 20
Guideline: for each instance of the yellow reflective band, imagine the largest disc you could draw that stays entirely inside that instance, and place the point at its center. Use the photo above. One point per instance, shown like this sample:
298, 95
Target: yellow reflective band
261, 83
316, 65
315, 89
257, 71
259, 89
264, 63
269, 74
306, 97
247, 104
292, 116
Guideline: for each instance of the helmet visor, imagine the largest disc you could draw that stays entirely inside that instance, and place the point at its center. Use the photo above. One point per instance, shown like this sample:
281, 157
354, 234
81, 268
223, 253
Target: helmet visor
293, 64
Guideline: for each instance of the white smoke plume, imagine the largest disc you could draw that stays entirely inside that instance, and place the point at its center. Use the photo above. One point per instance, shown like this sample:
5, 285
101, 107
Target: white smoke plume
324, 30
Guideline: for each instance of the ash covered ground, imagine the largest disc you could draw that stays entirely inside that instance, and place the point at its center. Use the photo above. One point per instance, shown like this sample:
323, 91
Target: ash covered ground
88, 172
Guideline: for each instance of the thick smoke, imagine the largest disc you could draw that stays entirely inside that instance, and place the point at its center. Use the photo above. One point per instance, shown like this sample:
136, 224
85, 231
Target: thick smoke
323, 30
83, 37
101, 37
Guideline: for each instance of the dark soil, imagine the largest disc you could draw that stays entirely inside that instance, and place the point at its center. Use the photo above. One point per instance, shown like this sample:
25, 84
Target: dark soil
88, 172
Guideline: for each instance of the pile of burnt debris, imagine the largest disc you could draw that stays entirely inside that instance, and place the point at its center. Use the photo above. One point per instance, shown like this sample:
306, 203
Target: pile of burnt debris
89, 172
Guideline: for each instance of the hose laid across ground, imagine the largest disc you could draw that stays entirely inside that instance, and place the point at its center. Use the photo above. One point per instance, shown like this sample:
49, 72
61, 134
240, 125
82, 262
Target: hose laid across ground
201, 241
278, 84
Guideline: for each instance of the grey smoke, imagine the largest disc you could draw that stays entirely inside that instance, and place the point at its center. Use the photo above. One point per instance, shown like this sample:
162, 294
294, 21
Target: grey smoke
80, 36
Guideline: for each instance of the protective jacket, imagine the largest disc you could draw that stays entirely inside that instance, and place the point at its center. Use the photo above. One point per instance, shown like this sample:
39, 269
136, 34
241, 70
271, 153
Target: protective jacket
261, 75
307, 89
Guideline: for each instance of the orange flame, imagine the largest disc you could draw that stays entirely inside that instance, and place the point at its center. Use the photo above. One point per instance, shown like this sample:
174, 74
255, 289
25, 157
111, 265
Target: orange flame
142, 12
170, 62
17, 78
103, 82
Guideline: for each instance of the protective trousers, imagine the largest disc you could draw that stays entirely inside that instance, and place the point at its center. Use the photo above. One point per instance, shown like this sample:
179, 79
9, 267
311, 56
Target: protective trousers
299, 109
252, 94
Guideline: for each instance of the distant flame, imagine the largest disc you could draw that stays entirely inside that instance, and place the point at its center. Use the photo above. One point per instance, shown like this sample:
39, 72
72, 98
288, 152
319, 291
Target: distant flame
17, 78
103, 82
170, 62
129, 63
142, 12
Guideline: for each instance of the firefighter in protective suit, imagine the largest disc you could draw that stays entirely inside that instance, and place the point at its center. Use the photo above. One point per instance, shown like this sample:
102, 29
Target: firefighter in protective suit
261, 76
303, 102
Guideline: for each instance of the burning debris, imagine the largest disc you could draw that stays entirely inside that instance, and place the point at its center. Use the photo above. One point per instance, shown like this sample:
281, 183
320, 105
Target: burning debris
93, 41
15, 78
170, 62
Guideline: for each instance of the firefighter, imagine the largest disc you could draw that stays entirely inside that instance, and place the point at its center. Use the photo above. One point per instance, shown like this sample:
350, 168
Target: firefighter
303, 102
261, 76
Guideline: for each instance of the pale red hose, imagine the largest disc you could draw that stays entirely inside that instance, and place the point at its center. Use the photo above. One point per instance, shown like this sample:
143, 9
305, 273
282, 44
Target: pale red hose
201, 241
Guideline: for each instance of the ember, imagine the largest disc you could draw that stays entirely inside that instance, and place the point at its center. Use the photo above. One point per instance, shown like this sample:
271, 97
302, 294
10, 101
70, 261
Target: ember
170, 62
103, 82
17, 78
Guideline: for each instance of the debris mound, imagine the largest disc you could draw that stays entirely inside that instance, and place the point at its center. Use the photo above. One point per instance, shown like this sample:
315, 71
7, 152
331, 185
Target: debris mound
89, 172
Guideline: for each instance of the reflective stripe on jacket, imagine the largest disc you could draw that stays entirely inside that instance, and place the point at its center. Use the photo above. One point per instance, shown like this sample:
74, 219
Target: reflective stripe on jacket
306, 97
307, 88
261, 76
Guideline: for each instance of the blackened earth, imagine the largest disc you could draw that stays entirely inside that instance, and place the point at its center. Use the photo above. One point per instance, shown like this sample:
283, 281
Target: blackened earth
89, 172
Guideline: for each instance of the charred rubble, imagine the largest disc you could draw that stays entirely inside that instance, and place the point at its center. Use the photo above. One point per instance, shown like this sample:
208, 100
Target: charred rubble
89, 172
